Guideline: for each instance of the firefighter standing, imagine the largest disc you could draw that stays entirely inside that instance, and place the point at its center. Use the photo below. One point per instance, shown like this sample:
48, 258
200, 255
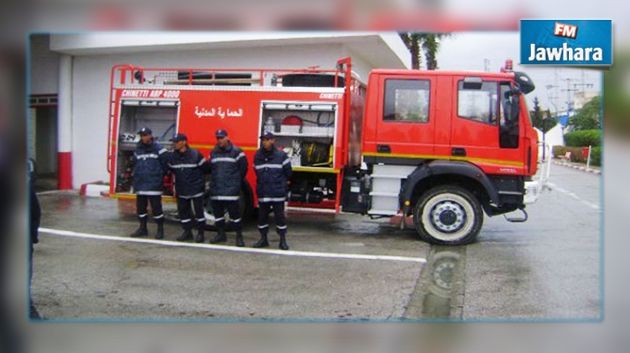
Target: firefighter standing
35, 220
148, 173
228, 166
273, 170
188, 166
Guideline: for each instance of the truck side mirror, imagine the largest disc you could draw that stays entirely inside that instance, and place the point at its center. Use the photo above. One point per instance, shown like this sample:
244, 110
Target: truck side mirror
525, 84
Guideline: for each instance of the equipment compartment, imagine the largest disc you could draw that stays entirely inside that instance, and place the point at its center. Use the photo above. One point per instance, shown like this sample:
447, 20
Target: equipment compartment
304, 130
160, 117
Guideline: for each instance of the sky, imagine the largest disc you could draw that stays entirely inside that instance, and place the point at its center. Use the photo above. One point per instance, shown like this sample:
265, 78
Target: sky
469, 50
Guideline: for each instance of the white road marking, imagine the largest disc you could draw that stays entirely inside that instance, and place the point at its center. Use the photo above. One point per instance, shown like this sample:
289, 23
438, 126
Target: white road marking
47, 192
573, 195
67, 233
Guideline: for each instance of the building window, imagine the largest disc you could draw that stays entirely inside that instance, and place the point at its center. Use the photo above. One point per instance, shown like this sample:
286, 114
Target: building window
43, 100
406, 101
478, 104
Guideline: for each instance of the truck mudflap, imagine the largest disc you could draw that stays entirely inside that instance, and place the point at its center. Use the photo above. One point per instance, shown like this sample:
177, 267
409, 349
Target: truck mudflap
538, 184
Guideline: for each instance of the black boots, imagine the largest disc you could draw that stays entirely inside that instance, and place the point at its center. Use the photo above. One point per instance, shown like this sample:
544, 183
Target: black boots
142, 229
239, 239
159, 234
283, 242
262, 243
220, 237
186, 235
199, 238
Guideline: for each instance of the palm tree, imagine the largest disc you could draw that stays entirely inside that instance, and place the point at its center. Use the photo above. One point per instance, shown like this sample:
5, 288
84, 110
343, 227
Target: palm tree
429, 42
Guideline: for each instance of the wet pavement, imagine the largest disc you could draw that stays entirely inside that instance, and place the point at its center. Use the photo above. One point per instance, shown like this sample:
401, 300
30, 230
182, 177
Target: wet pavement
94, 279
546, 268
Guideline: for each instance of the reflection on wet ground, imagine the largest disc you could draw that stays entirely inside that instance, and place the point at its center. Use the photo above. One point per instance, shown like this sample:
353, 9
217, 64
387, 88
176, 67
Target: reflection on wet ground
439, 293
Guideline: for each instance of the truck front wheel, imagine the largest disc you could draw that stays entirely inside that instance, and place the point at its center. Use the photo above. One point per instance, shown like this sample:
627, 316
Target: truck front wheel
448, 215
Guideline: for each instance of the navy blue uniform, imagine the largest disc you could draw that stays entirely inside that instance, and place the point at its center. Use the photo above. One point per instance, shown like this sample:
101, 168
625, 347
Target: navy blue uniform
148, 178
35, 219
273, 170
228, 167
188, 168
149, 168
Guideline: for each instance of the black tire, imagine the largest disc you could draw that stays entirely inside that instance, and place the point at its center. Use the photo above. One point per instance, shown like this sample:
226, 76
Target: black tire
448, 215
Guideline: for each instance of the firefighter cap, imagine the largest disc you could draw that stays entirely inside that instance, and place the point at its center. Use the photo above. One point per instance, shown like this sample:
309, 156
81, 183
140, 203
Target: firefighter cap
179, 137
267, 135
145, 131
221, 133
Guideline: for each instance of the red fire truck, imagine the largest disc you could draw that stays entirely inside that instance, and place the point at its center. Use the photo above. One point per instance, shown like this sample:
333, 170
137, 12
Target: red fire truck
443, 147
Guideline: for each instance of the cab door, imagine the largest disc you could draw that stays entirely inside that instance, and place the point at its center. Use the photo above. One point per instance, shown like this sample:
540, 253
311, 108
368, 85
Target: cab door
484, 112
405, 123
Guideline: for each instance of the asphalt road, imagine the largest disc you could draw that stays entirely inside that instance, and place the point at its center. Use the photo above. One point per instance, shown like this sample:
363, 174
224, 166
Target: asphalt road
546, 268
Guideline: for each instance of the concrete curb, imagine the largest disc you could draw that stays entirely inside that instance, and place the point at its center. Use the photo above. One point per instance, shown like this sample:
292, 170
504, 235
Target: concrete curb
93, 189
579, 167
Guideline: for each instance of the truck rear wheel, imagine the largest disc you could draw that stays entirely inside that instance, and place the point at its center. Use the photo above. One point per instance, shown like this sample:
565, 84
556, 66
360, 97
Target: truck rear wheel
448, 215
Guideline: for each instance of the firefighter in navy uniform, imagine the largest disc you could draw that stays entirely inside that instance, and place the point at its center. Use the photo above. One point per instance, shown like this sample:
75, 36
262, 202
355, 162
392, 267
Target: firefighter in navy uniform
228, 167
188, 166
148, 174
273, 170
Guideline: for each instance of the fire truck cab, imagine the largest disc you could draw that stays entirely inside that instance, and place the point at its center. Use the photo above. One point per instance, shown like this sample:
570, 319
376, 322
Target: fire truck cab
443, 147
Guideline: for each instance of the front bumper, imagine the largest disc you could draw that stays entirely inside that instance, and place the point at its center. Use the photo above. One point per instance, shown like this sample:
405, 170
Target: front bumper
538, 184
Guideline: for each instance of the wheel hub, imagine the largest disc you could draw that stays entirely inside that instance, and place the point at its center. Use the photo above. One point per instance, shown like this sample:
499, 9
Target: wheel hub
448, 216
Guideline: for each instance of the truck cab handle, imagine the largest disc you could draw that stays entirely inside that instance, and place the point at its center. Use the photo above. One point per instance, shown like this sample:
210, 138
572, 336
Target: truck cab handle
458, 151
383, 149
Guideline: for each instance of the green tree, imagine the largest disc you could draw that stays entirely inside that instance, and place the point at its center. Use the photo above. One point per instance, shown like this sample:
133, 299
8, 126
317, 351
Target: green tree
588, 117
541, 120
422, 43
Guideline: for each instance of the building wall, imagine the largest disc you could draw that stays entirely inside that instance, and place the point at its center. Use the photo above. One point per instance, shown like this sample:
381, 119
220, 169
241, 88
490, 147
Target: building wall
42, 128
555, 136
583, 97
90, 88
44, 66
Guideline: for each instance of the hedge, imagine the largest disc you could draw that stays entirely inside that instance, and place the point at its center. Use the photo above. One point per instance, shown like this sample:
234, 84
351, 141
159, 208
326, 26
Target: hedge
576, 154
582, 138
596, 156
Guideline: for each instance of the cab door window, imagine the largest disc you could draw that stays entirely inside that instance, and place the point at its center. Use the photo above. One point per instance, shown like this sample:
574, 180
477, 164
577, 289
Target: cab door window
479, 103
509, 124
406, 101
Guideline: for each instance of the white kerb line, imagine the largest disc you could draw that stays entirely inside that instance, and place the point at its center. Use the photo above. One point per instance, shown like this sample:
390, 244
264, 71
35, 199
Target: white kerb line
573, 195
68, 233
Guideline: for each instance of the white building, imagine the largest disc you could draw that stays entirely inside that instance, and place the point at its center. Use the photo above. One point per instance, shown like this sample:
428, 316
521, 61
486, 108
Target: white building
582, 97
553, 137
70, 75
